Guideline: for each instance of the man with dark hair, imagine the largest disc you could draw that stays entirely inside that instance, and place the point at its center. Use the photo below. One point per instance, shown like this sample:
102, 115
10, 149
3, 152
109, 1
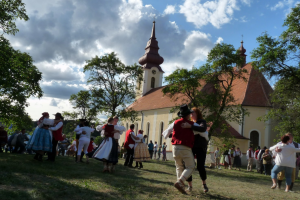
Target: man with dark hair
20, 141
182, 141
150, 148
56, 136
129, 146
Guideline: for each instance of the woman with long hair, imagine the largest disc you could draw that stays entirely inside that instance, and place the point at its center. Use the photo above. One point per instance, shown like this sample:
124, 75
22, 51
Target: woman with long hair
200, 145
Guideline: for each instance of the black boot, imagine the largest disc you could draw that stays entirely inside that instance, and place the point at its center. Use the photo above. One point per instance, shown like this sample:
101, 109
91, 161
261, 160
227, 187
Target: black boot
36, 157
76, 156
291, 187
141, 165
81, 156
136, 165
279, 184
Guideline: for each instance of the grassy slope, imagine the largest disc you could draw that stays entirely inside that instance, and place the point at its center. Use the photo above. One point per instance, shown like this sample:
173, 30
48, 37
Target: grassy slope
23, 178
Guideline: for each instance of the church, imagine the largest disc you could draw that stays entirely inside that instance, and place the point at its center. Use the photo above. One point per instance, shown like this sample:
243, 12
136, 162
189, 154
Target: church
154, 108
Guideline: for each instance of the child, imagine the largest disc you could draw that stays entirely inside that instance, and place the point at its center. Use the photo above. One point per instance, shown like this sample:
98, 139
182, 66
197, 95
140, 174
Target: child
159, 152
164, 152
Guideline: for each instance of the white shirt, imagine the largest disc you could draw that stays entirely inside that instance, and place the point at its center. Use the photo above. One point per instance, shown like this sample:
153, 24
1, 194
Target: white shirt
46, 121
88, 131
252, 154
120, 130
155, 147
140, 140
217, 153
287, 156
237, 153
55, 128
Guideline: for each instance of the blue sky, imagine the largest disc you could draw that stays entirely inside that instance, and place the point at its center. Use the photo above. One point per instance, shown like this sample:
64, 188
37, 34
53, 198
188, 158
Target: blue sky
61, 35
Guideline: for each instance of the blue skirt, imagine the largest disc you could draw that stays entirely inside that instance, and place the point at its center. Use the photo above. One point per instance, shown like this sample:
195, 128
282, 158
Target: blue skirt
40, 140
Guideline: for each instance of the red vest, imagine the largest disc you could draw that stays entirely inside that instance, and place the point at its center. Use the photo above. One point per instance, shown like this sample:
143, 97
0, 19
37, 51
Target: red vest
57, 135
128, 139
90, 148
183, 136
109, 129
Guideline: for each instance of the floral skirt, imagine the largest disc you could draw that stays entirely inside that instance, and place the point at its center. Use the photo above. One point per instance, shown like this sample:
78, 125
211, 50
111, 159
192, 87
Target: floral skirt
141, 153
40, 141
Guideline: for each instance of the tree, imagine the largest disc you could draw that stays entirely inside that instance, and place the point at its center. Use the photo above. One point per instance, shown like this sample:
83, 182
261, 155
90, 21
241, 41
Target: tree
279, 59
10, 10
113, 84
209, 88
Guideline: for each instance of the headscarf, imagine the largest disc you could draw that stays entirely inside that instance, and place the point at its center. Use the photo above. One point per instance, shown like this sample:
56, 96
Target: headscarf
44, 115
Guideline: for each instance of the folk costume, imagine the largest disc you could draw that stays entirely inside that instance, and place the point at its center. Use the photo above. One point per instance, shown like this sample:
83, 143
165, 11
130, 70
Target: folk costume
77, 139
107, 152
183, 142
57, 136
250, 158
84, 140
141, 152
129, 146
225, 160
237, 162
41, 139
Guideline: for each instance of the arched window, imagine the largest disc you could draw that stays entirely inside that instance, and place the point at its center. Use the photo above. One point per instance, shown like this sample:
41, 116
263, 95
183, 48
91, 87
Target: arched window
126, 126
148, 132
254, 139
152, 82
136, 128
161, 131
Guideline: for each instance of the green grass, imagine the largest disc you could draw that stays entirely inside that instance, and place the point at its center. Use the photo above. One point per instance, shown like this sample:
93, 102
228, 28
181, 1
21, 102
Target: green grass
21, 177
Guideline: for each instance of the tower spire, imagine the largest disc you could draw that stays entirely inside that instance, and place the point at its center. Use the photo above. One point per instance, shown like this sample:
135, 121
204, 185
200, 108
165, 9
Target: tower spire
242, 52
153, 30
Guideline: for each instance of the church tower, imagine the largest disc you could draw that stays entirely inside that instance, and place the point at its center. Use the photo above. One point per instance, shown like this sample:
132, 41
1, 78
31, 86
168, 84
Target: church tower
150, 62
242, 53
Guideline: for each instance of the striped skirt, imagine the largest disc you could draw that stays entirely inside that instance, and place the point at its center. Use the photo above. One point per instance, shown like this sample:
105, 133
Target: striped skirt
141, 153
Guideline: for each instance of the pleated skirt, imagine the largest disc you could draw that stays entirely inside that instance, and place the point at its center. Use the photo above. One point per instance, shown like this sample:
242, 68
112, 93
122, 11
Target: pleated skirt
141, 153
41, 140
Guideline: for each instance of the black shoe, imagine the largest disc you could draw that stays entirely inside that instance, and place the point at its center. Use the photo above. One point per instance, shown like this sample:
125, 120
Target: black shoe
36, 157
205, 188
291, 187
130, 166
141, 166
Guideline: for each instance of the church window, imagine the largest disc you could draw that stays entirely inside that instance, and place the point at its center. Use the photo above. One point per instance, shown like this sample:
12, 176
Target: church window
152, 82
254, 139
148, 132
161, 131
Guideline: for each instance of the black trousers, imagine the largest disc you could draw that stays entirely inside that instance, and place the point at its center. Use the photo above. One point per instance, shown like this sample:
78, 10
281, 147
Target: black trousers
52, 155
129, 157
151, 153
201, 157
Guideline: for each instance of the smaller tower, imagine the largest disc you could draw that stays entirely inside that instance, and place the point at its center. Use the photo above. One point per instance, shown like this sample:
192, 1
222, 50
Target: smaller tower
150, 62
242, 53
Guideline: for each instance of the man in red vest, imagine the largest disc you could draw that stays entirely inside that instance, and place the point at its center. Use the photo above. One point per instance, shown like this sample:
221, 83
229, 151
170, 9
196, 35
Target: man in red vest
56, 136
129, 146
182, 141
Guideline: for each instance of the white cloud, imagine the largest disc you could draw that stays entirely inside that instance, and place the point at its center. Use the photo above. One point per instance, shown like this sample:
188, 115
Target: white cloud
243, 19
219, 40
247, 2
216, 12
282, 4
170, 9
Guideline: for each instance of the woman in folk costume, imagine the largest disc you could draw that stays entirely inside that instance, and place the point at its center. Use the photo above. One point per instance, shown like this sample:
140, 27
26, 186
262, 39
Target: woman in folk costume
225, 158
41, 139
141, 152
237, 163
108, 149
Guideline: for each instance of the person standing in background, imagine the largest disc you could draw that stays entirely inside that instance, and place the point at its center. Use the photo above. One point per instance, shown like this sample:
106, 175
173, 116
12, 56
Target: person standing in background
164, 152
267, 162
258, 163
250, 157
159, 152
217, 158
150, 148
155, 149
3, 138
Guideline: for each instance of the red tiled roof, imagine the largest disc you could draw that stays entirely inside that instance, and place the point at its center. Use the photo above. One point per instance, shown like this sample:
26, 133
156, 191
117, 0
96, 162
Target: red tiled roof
254, 92
231, 130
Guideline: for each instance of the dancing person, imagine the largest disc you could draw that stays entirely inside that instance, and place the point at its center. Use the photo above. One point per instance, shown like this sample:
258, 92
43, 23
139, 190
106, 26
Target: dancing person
64, 145
3, 138
183, 142
81, 124
281, 174
150, 148
267, 162
84, 140
118, 129
285, 161
107, 152
57, 136
237, 163
20, 145
200, 145
217, 158
129, 146
155, 149
164, 152
41, 139
141, 152
92, 145
250, 157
